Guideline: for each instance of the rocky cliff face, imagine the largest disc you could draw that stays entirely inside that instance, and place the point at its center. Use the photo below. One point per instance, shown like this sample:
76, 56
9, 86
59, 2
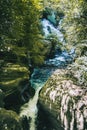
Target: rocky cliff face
13, 79
64, 97
14, 87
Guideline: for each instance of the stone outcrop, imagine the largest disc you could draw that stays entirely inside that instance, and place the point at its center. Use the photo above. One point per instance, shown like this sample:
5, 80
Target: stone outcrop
64, 97
13, 79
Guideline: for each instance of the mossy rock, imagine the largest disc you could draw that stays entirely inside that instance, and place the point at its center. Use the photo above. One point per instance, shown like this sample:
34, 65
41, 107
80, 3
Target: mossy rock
81, 49
9, 120
13, 71
13, 79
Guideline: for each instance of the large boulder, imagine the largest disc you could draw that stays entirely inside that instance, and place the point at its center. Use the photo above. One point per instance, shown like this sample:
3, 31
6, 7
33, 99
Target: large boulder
64, 97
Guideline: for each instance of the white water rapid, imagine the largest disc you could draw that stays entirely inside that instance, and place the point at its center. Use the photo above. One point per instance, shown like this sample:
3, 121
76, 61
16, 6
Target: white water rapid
48, 29
30, 110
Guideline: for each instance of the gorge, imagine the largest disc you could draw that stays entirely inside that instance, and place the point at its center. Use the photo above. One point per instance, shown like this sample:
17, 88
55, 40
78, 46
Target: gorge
40, 75
43, 65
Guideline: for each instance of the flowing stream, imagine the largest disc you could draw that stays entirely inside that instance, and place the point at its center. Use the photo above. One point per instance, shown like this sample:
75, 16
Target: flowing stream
30, 110
40, 75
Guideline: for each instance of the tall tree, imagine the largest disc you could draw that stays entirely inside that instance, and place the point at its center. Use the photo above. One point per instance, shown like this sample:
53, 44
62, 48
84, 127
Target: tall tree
32, 36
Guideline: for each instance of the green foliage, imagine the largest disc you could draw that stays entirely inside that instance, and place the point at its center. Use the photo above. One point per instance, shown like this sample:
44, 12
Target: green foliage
19, 28
74, 22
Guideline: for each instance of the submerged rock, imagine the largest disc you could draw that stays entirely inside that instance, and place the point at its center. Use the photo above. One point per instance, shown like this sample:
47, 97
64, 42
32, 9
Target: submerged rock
64, 97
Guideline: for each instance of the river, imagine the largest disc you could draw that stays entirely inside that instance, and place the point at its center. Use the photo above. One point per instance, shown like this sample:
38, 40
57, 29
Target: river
40, 75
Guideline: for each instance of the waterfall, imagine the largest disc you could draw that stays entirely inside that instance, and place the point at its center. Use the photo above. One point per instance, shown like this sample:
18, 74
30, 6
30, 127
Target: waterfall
30, 110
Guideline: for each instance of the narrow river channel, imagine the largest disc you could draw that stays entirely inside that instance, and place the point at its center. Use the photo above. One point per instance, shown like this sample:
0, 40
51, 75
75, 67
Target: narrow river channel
40, 76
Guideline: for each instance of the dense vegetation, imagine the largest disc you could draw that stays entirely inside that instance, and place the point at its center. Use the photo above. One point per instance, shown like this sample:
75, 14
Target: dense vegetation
20, 27
74, 24
19, 30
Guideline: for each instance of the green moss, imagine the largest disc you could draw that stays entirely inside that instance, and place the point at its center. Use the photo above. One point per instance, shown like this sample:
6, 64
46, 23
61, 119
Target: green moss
9, 120
11, 86
11, 77
12, 71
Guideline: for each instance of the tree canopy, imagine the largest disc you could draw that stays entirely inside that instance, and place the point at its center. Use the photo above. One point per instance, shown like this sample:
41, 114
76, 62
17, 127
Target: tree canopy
19, 28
